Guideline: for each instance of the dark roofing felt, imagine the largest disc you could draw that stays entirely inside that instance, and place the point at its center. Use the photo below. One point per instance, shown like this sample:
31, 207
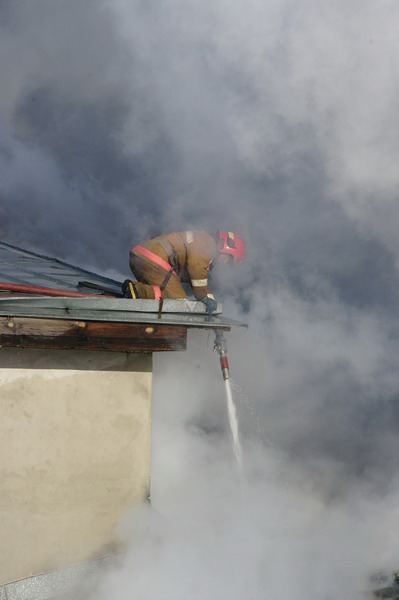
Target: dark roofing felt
28, 268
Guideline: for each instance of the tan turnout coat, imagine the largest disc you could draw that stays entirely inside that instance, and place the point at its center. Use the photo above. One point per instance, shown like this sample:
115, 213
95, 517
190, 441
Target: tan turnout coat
195, 252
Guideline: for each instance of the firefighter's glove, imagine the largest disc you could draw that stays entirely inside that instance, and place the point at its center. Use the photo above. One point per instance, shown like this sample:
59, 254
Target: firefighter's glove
210, 305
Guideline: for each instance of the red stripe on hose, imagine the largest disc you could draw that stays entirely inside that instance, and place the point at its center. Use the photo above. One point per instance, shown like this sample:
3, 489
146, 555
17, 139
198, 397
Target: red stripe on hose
224, 363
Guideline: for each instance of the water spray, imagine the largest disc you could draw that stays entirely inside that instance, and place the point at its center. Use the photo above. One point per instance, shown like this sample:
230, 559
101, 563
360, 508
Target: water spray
220, 347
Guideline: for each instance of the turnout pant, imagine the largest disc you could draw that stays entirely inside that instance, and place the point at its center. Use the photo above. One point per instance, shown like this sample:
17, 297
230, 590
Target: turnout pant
149, 273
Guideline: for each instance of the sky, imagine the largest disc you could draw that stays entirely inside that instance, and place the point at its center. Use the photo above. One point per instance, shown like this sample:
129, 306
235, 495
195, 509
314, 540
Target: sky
123, 119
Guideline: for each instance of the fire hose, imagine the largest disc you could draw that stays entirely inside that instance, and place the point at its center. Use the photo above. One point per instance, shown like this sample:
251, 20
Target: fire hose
31, 289
220, 347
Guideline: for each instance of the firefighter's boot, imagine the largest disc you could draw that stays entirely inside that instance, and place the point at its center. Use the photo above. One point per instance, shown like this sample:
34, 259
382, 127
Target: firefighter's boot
137, 290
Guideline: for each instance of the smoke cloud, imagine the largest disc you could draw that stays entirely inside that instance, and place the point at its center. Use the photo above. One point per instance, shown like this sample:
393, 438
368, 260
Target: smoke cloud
121, 119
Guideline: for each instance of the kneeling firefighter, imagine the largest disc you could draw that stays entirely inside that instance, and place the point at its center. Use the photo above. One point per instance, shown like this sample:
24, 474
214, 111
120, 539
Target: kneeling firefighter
162, 263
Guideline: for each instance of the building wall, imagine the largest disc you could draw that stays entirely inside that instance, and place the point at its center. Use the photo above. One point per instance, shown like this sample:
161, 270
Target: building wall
75, 453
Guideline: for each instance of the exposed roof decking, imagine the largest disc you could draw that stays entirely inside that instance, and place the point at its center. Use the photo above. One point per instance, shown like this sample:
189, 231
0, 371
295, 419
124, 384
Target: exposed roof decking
25, 332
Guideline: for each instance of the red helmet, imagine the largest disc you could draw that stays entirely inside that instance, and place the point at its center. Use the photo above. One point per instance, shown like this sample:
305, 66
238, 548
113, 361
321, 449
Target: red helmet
231, 243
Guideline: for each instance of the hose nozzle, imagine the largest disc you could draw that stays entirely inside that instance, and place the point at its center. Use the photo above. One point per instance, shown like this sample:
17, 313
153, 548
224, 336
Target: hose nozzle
221, 348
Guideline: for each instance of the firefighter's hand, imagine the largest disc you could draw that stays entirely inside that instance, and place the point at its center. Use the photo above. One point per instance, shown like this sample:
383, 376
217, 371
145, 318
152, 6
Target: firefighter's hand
210, 304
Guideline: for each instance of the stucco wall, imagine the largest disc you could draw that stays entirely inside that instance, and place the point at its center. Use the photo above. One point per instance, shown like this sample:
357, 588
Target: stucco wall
75, 452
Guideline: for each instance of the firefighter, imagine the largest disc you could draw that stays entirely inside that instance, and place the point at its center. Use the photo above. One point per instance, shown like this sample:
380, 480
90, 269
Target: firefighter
162, 263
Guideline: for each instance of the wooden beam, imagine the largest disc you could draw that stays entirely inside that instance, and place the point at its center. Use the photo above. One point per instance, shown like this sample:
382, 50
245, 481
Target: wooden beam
27, 332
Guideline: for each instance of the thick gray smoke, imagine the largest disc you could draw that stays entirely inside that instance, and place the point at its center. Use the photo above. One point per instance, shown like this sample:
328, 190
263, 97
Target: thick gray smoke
120, 119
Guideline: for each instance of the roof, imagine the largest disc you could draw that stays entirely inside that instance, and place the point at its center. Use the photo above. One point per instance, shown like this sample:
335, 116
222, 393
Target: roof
33, 319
